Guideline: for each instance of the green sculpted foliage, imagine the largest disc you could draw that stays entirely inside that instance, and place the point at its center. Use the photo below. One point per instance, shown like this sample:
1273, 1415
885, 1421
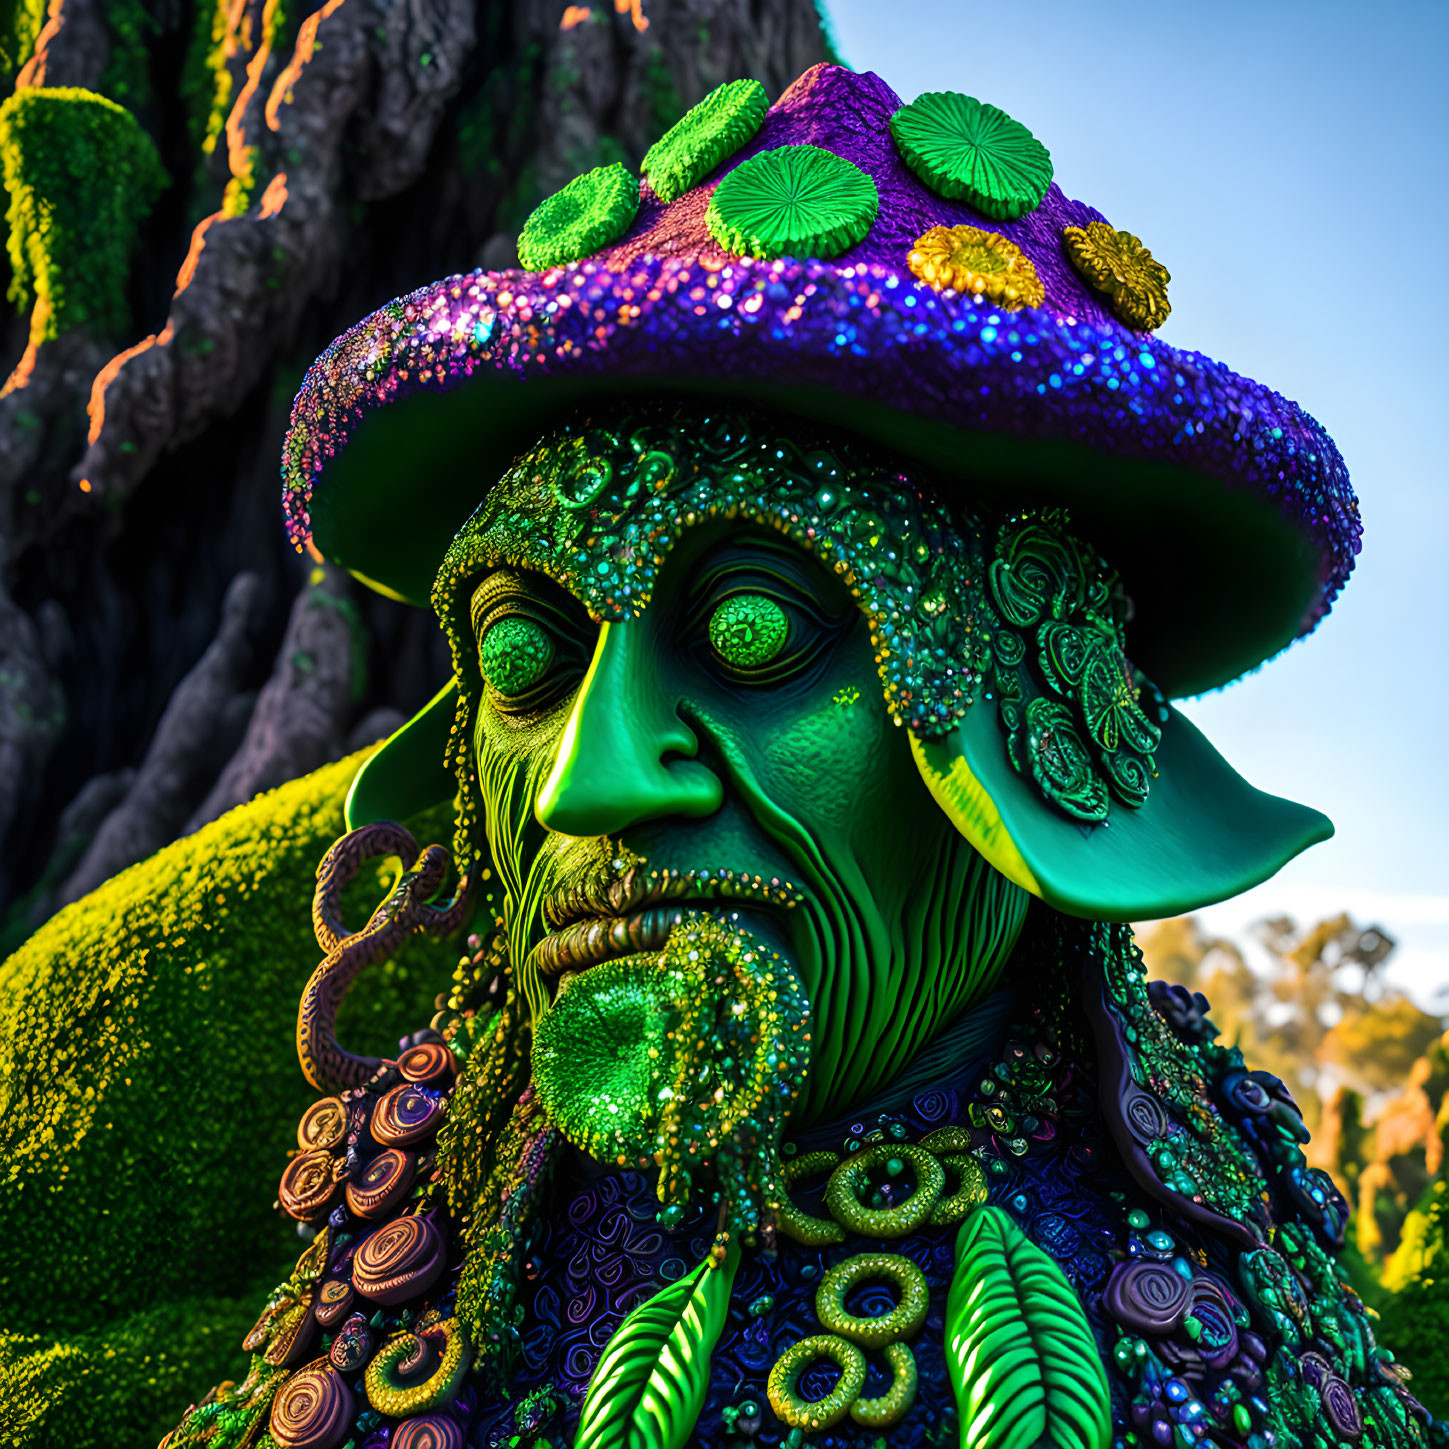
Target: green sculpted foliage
969, 151
652, 1377
149, 1095
706, 135
590, 212
1021, 1356
81, 176
794, 201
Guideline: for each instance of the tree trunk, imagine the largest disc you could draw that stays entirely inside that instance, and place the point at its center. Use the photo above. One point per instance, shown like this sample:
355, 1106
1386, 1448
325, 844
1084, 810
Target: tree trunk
357, 151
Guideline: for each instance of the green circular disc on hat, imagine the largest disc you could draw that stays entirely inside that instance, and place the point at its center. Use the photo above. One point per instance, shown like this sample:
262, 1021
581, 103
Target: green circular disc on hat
966, 150
590, 212
794, 201
704, 136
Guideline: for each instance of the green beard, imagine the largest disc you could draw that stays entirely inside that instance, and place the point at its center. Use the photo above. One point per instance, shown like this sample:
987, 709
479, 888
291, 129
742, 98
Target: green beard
687, 1055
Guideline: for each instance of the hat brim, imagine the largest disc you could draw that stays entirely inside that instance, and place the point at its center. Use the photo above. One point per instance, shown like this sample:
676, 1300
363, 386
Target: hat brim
1225, 508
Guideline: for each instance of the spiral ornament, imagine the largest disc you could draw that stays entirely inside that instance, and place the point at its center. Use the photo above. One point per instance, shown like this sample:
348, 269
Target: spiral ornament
399, 1261
309, 1185
842, 1193
1145, 1119
292, 1335
324, 1061
412, 1373
383, 1184
1149, 1298
354, 1345
893, 1405
430, 1064
813, 1232
406, 1114
334, 1301
313, 1409
323, 1125
783, 1385
903, 1321
1340, 1405
430, 1431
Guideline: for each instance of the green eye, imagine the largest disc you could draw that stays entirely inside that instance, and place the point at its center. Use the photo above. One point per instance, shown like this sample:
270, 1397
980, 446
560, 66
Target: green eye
748, 630
514, 654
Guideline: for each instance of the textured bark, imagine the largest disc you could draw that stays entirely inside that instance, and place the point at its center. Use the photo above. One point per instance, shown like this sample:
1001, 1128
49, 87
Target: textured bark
182, 750
301, 715
391, 141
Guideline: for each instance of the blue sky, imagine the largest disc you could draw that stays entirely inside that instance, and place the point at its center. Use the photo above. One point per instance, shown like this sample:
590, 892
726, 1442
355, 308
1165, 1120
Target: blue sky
1287, 162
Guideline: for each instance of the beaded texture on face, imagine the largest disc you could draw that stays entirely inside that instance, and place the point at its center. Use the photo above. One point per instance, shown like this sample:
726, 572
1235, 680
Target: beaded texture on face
960, 606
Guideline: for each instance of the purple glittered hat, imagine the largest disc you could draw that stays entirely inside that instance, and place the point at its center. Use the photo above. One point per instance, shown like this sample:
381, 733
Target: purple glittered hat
907, 273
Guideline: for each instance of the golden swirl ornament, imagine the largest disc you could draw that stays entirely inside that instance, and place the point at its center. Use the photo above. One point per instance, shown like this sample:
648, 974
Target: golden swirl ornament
292, 1335
313, 1409
1116, 264
383, 1184
323, 1125
334, 1301
399, 1261
429, 1064
406, 1115
412, 1373
976, 263
310, 1184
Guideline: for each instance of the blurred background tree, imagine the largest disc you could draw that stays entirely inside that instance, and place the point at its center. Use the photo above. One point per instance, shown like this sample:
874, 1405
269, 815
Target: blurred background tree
1370, 1070
202, 194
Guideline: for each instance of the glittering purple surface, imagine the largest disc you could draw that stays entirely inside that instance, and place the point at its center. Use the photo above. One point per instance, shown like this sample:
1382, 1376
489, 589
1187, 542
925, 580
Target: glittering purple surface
668, 303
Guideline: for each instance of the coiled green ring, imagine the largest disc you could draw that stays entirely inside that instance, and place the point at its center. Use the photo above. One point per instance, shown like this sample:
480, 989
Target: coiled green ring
903, 1321
970, 1194
893, 1405
842, 1193
811, 1231
782, 1387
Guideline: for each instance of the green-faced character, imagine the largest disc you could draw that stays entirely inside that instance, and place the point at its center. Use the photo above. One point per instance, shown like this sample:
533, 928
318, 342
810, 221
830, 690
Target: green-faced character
728, 689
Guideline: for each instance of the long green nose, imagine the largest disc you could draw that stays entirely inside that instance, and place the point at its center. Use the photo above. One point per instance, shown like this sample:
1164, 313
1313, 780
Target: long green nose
626, 755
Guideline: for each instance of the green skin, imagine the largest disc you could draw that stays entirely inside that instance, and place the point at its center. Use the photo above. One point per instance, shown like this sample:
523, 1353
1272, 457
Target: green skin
672, 736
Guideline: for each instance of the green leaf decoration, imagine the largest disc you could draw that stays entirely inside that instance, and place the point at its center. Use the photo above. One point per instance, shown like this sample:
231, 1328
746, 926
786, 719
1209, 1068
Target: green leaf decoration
794, 201
969, 151
1021, 1356
704, 136
590, 212
652, 1377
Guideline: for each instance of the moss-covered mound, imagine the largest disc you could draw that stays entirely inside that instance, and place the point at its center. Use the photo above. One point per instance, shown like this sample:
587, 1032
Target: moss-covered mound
149, 1095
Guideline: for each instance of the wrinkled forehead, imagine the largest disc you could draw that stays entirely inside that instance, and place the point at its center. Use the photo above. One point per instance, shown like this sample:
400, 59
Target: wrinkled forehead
599, 504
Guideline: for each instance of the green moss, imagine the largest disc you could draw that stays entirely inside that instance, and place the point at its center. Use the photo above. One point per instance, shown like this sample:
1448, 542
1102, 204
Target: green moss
1416, 1318
127, 76
81, 176
149, 1093
205, 80
21, 22
125, 1384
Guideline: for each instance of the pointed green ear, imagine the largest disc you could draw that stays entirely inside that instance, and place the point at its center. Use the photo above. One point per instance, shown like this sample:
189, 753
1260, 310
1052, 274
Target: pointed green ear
1204, 833
407, 775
